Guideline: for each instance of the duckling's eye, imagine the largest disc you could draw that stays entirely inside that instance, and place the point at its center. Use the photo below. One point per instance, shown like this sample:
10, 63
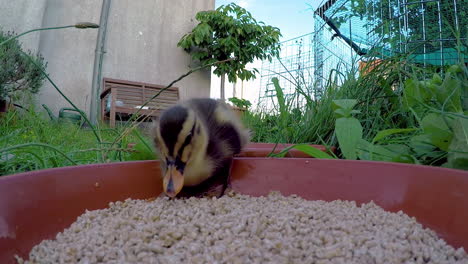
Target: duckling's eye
188, 139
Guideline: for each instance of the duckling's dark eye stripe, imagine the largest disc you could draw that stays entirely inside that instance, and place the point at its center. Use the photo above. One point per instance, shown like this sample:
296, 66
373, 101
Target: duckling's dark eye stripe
179, 165
187, 140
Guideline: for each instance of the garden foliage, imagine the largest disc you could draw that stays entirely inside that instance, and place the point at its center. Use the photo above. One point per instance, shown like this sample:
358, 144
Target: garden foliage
231, 33
17, 73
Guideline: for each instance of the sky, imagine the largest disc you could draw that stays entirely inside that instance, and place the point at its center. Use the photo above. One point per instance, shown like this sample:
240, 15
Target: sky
293, 17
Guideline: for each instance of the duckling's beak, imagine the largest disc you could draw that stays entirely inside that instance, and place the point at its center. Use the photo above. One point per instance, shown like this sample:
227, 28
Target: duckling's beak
173, 181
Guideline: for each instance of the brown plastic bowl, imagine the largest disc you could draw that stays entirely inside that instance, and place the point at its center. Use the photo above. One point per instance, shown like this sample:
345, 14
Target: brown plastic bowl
263, 149
37, 205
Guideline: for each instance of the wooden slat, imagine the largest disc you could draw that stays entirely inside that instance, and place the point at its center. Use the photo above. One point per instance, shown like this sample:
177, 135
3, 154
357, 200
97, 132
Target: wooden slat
164, 105
148, 95
121, 85
134, 94
149, 88
126, 90
162, 96
173, 95
139, 99
132, 111
129, 97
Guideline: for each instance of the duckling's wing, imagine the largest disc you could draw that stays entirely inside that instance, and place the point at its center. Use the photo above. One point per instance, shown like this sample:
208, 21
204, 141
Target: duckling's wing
227, 136
230, 127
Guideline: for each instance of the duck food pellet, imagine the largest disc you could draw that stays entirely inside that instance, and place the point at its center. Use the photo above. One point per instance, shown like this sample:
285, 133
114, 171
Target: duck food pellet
242, 229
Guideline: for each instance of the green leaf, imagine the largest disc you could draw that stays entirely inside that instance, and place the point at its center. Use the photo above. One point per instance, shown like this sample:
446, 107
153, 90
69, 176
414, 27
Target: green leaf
344, 107
436, 79
281, 101
341, 113
458, 149
369, 151
434, 125
414, 93
421, 144
347, 104
349, 133
405, 158
389, 153
384, 133
313, 152
450, 94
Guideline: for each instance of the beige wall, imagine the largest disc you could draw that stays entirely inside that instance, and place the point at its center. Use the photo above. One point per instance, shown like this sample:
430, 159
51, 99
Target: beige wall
140, 43
20, 16
69, 52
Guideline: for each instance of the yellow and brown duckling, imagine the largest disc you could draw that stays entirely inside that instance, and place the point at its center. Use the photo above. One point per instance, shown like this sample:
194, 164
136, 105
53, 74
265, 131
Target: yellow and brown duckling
196, 140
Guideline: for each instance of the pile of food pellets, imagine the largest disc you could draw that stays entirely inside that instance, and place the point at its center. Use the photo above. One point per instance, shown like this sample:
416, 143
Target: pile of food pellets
242, 229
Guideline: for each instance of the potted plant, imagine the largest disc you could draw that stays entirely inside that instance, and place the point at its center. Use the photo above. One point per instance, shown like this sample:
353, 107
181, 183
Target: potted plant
17, 73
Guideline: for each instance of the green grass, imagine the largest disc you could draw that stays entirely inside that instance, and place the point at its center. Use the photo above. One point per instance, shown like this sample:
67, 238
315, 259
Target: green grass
314, 123
29, 140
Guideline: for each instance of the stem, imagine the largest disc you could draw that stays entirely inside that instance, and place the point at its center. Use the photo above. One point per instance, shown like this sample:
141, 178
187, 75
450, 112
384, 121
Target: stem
32, 30
221, 92
38, 145
64, 96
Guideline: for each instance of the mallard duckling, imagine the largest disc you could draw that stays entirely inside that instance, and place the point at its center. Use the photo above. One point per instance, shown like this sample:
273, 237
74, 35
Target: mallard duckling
196, 140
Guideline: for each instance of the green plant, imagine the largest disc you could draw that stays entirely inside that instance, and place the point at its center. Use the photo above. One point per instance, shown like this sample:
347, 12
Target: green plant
17, 73
314, 121
347, 128
241, 103
231, 33
21, 71
31, 141
440, 138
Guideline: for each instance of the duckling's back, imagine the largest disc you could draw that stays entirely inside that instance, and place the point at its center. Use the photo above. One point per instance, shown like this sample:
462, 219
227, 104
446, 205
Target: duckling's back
226, 133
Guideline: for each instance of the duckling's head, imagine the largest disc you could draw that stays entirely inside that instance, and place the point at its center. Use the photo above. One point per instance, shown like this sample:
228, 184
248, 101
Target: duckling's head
179, 138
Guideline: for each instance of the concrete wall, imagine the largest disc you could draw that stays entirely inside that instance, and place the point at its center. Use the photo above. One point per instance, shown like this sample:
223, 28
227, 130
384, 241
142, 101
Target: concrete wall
69, 52
141, 44
20, 16
142, 41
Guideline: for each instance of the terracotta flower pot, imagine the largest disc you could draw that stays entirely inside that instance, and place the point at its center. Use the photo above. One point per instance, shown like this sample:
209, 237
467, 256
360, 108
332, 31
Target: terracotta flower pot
263, 149
39, 204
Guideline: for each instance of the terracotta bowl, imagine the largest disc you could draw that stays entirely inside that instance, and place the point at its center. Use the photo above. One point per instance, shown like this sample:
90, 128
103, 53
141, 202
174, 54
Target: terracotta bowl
37, 205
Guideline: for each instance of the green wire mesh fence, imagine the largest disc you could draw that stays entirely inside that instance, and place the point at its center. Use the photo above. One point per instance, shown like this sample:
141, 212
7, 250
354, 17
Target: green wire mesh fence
428, 32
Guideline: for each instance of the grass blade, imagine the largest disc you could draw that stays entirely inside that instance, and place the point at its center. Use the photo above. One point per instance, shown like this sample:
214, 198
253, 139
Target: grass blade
313, 152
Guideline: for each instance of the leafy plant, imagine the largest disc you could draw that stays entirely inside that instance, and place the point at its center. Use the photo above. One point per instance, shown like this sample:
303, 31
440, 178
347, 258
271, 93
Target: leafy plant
441, 137
231, 34
347, 128
17, 73
241, 103
314, 121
